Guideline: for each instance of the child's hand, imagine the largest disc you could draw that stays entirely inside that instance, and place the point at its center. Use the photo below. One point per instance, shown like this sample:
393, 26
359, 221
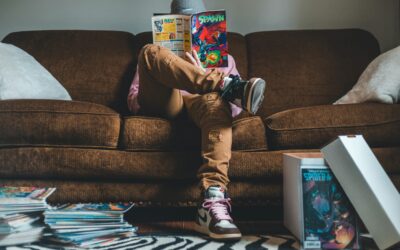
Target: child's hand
194, 59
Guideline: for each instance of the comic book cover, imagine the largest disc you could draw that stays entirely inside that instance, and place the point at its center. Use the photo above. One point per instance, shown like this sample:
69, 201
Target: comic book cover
172, 32
8, 192
209, 38
330, 221
204, 32
95, 207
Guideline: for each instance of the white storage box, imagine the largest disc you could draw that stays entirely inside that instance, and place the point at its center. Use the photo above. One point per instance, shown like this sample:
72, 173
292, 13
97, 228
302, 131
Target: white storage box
368, 187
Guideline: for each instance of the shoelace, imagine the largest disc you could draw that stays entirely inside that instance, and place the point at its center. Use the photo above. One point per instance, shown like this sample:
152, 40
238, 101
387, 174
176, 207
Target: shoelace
219, 208
233, 91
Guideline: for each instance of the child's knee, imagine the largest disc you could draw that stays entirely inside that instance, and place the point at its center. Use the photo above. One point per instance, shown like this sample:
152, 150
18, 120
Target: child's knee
216, 108
149, 51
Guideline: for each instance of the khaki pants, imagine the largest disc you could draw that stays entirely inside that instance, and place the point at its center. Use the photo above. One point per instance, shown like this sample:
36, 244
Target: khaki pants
162, 76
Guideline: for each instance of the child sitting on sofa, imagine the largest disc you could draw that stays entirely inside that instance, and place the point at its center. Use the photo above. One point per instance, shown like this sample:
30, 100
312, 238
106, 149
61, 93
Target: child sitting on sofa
165, 84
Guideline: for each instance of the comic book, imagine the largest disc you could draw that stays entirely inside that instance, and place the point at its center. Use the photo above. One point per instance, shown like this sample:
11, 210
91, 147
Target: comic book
81, 208
8, 192
89, 224
20, 214
330, 221
204, 32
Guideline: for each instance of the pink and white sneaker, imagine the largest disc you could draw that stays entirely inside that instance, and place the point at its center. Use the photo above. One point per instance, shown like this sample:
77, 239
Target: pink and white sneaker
213, 217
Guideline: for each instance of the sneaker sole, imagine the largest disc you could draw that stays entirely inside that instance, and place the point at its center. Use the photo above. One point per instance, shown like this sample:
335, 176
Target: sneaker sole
212, 235
256, 94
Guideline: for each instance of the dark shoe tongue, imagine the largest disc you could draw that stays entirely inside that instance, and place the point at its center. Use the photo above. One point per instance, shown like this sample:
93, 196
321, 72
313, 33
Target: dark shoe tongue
215, 193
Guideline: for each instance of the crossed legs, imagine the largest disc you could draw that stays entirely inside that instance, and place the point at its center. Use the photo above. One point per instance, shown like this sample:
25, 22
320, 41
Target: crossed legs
162, 76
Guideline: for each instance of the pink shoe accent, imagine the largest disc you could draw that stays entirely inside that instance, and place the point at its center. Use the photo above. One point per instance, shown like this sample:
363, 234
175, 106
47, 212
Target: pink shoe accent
219, 208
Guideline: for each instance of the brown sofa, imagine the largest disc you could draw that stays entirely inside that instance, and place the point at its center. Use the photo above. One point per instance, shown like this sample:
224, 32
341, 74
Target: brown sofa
92, 149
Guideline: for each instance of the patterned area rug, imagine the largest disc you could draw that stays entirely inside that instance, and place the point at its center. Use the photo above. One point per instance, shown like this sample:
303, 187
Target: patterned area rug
174, 242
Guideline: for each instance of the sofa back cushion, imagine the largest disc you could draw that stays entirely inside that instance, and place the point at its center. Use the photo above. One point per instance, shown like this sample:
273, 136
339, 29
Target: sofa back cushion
302, 68
308, 67
94, 66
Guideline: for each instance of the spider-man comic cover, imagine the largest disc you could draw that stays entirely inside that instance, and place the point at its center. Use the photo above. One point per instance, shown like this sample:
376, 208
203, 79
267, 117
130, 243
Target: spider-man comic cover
329, 217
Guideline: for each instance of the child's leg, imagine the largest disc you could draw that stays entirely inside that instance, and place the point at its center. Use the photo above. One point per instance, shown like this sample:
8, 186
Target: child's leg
162, 73
157, 99
213, 116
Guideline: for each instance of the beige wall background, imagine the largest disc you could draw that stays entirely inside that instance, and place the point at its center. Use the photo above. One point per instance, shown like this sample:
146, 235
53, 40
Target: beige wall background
381, 17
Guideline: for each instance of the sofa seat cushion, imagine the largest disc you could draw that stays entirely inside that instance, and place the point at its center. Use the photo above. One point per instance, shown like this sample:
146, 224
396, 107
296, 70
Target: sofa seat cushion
57, 123
151, 193
156, 134
246, 193
99, 165
313, 127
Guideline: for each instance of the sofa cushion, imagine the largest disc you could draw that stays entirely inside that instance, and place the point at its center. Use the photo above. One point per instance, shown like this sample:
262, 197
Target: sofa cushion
308, 67
248, 193
156, 134
151, 193
313, 127
94, 66
77, 164
57, 123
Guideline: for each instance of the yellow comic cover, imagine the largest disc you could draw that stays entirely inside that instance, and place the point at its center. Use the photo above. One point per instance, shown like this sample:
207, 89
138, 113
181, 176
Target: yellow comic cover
173, 32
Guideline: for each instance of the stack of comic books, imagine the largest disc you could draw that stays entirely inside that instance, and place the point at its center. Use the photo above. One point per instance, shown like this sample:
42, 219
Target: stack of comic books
21, 209
89, 224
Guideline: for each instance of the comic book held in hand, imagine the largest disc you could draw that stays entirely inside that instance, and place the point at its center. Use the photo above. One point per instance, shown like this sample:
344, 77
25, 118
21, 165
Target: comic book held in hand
204, 32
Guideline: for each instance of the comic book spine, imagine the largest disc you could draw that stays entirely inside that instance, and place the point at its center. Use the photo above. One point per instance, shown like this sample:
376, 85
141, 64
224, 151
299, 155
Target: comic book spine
209, 38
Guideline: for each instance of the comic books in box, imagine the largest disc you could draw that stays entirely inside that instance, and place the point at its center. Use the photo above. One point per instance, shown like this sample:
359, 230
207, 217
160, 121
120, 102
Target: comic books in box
204, 32
316, 210
368, 187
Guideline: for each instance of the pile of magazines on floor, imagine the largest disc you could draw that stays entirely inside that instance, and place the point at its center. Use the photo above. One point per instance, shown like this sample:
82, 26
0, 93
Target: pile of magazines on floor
89, 225
21, 209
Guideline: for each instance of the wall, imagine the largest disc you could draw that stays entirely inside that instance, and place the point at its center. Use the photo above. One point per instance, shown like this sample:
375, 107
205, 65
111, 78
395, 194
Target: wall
381, 17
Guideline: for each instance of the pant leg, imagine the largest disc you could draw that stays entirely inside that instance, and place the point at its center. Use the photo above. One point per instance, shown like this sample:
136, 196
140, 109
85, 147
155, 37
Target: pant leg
174, 72
213, 116
155, 98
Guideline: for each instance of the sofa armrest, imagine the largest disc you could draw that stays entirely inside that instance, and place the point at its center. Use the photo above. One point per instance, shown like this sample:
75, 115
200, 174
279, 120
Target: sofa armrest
312, 127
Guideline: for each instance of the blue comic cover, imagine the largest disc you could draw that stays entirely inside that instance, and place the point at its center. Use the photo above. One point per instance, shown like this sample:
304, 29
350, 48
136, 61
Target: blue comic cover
209, 38
25, 192
97, 207
330, 221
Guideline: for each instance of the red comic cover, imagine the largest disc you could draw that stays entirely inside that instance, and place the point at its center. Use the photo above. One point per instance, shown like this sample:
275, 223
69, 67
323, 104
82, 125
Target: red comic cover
209, 38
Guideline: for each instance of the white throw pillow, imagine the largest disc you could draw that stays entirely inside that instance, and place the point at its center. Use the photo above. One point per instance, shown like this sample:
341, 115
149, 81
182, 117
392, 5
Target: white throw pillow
380, 82
22, 77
